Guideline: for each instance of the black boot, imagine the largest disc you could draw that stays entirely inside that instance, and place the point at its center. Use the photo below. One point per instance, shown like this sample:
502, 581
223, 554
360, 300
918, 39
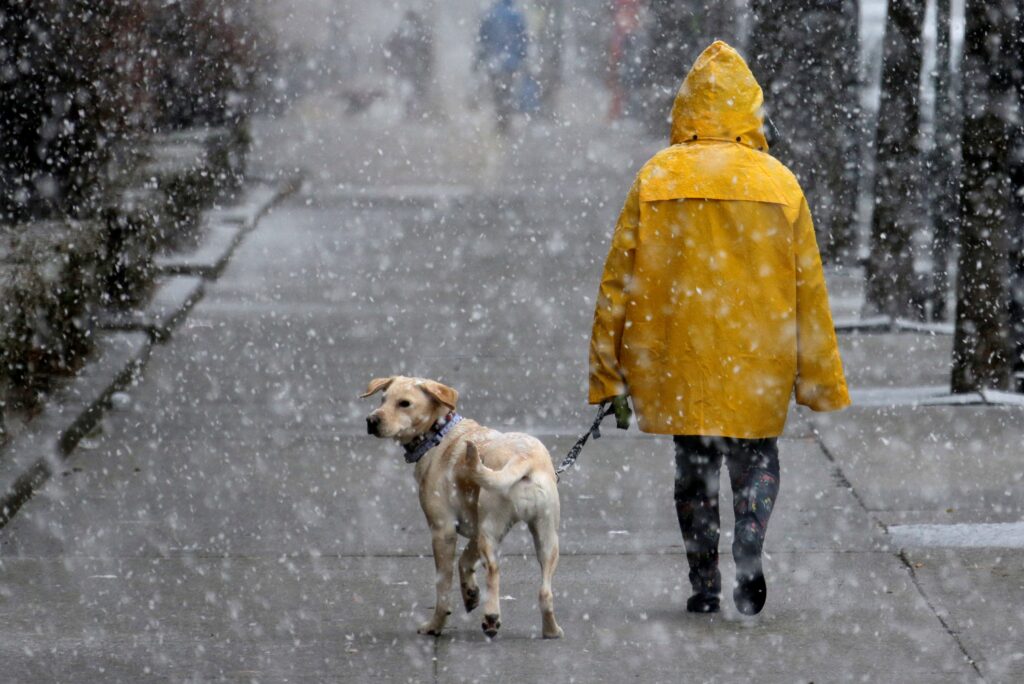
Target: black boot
703, 603
751, 590
750, 593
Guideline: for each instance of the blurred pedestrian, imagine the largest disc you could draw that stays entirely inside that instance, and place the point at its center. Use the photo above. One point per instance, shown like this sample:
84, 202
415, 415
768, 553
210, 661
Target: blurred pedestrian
501, 53
411, 49
547, 39
622, 54
712, 309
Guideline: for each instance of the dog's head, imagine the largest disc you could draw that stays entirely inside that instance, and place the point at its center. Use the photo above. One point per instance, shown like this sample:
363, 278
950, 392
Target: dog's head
408, 406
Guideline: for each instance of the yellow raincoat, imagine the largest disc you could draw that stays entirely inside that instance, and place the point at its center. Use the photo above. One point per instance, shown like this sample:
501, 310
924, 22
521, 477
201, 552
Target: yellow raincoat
713, 305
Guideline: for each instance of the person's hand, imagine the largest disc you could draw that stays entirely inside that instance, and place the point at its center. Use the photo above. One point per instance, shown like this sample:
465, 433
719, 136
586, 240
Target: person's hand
620, 406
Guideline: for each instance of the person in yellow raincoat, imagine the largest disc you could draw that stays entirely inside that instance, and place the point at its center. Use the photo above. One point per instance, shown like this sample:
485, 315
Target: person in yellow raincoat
712, 310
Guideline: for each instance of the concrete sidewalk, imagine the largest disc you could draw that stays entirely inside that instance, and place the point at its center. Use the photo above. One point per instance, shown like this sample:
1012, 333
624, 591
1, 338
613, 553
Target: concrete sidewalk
234, 523
944, 481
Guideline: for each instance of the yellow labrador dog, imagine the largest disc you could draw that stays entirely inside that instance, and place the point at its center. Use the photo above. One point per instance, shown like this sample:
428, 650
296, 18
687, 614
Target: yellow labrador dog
475, 482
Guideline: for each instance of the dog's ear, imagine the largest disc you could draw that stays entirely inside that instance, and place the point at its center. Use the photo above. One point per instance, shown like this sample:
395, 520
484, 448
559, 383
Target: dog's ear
376, 385
442, 393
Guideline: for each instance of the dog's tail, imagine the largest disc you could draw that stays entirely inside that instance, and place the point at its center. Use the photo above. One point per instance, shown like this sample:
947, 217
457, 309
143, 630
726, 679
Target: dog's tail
497, 480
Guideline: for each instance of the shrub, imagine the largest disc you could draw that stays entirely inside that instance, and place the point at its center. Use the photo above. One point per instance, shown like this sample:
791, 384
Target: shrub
69, 90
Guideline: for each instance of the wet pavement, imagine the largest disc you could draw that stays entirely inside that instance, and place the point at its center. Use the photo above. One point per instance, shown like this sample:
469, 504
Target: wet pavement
234, 523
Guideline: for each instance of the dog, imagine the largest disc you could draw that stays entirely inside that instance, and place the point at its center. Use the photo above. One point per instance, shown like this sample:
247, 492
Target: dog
475, 482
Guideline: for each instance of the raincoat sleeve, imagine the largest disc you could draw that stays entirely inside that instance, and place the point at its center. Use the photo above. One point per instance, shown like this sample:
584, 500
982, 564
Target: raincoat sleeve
820, 383
606, 379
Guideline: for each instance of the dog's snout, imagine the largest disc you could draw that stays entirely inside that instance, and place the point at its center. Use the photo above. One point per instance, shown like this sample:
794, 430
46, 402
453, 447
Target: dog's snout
372, 424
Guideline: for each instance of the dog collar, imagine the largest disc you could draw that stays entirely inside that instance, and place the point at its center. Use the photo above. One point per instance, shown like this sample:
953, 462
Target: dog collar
416, 449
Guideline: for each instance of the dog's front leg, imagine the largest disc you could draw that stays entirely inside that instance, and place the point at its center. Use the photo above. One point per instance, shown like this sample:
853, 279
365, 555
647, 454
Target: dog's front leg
443, 539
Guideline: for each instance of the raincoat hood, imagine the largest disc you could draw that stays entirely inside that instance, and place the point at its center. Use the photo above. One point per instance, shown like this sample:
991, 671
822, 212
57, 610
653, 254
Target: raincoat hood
719, 100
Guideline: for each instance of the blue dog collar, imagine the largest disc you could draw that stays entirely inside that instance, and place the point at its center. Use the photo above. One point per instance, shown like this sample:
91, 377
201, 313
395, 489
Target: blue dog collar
416, 449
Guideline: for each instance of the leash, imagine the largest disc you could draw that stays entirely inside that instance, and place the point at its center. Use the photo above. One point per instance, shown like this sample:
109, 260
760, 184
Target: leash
595, 430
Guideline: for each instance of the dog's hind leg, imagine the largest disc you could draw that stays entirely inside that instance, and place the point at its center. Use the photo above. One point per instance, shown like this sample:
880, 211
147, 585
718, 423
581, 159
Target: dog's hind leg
444, 565
545, 542
467, 576
487, 543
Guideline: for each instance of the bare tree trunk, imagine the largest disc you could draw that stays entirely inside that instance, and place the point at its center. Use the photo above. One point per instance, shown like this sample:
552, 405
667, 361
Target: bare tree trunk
1017, 215
899, 165
679, 32
774, 58
981, 348
805, 54
945, 163
845, 112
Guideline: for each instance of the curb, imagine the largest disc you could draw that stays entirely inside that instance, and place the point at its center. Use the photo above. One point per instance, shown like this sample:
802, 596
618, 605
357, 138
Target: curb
224, 230
70, 413
931, 396
888, 324
209, 257
173, 297
123, 346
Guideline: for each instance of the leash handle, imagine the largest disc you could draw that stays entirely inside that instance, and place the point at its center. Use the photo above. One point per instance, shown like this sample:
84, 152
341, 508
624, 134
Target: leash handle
603, 410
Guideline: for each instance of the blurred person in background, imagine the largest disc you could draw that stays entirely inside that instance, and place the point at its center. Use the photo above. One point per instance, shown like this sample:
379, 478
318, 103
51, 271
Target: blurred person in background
501, 53
623, 51
547, 37
411, 50
712, 309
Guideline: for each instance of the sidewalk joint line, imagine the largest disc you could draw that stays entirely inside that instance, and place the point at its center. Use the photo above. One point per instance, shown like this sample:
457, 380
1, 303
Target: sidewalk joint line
901, 555
843, 481
942, 621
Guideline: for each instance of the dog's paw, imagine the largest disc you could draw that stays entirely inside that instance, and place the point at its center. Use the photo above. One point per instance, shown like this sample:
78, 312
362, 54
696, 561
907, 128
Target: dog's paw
491, 625
470, 598
555, 633
429, 629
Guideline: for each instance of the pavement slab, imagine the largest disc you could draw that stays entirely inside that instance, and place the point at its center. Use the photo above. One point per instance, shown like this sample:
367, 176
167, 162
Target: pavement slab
875, 619
875, 360
941, 459
980, 594
247, 619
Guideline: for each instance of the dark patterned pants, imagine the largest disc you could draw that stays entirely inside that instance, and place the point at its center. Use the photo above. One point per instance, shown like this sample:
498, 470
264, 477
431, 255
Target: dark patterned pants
754, 474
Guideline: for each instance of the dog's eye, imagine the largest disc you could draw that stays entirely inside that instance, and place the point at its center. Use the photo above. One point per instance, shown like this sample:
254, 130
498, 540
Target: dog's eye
404, 403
